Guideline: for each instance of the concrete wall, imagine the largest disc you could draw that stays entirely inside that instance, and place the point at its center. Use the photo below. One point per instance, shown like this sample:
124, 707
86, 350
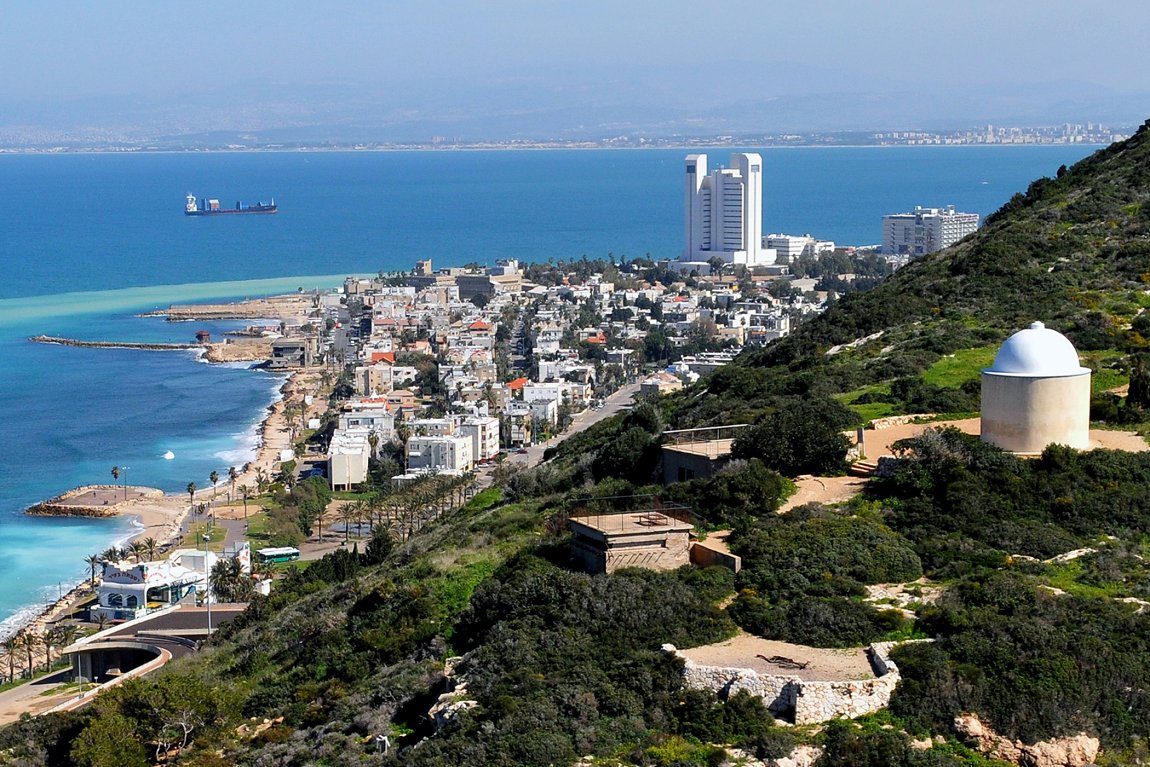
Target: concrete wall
1024, 415
704, 556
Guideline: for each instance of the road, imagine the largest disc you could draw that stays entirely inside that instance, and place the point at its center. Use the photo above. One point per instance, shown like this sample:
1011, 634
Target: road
617, 402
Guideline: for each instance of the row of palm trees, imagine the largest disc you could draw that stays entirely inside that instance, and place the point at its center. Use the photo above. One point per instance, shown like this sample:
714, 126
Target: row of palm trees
404, 509
146, 549
21, 649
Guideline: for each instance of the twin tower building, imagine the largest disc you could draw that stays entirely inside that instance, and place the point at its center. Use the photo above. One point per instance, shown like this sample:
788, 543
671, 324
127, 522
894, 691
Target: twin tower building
724, 211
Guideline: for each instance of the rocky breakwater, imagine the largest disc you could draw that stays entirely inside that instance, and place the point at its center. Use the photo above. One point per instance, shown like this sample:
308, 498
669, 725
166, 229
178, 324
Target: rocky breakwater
92, 501
152, 347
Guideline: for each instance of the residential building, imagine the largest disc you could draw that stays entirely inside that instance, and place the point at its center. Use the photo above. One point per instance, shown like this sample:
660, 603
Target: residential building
925, 230
348, 456
441, 455
484, 434
723, 211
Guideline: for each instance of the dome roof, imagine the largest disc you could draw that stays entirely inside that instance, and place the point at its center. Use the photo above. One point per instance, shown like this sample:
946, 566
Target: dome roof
1037, 352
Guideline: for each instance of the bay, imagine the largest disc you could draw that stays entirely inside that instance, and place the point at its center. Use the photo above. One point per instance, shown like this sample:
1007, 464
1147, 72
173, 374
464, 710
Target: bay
89, 241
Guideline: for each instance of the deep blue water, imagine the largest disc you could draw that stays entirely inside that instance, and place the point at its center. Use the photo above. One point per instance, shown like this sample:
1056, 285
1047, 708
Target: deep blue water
87, 241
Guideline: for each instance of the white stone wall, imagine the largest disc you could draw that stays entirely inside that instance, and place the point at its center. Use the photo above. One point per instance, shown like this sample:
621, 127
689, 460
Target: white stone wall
807, 702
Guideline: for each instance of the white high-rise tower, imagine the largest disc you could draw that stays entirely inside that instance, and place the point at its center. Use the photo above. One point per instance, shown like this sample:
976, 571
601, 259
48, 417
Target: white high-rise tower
724, 210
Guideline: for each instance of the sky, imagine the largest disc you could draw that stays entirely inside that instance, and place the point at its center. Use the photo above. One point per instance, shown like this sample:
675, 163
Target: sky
54, 52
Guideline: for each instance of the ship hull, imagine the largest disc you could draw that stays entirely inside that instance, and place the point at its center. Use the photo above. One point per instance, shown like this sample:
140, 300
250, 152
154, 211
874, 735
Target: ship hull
229, 212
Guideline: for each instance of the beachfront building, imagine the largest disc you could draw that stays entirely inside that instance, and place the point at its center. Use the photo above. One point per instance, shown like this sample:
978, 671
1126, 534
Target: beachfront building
925, 230
723, 211
128, 591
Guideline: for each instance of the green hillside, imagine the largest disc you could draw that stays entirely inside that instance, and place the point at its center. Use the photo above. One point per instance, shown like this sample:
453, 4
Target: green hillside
565, 668
1072, 252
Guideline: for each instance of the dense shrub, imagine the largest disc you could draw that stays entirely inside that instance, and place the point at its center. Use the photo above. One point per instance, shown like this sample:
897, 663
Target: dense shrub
801, 436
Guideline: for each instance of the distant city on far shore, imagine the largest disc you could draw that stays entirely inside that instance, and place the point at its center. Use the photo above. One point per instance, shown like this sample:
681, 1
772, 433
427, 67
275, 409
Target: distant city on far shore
30, 140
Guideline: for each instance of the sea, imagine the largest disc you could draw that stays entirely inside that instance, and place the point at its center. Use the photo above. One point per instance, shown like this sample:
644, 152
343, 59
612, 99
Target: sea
88, 242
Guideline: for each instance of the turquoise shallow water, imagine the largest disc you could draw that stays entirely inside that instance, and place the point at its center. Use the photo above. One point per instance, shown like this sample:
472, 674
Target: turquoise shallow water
88, 241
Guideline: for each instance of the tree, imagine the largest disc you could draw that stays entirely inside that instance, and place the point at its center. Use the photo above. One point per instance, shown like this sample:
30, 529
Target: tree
246, 492
92, 561
229, 582
150, 546
11, 647
214, 477
348, 513
192, 493
109, 740
29, 643
801, 436
137, 550
233, 475
116, 474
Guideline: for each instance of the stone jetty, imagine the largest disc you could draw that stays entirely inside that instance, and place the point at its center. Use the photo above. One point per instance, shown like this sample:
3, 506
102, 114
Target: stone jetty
153, 347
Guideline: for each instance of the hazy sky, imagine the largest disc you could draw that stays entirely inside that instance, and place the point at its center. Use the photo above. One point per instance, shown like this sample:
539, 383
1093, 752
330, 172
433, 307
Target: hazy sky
68, 49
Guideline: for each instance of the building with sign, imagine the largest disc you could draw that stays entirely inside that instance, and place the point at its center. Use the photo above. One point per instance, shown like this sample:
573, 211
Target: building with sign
131, 590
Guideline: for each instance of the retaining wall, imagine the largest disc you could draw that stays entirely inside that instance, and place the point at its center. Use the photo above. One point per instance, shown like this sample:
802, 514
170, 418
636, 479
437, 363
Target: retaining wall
800, 700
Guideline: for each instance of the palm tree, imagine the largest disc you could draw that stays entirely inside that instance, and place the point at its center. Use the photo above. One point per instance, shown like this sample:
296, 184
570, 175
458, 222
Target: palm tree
347, 514
246, 492
48, 639
150, 545
102, 621
214, 477
192, 494
29, 642
111, 554
261, 479
233, 475
115, 473
320, 515
11, 646
92, 561
373, 441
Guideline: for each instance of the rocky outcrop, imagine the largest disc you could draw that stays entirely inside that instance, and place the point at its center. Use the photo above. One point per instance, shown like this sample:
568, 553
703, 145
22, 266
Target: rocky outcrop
455, 701
1075, 751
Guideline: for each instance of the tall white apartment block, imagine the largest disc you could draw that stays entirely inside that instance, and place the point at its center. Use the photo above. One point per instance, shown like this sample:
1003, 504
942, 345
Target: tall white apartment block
925, 230
724, 210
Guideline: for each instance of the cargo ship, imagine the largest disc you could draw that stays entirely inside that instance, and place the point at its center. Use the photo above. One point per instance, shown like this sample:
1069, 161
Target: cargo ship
206, 207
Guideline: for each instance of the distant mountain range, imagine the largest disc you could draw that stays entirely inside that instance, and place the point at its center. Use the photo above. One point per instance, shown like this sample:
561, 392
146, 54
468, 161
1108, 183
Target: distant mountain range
591, 104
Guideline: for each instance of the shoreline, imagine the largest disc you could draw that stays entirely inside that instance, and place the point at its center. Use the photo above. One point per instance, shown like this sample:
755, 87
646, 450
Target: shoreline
163, 516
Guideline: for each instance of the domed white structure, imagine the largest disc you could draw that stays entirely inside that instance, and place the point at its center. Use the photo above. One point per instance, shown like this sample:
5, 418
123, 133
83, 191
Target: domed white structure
1036, 393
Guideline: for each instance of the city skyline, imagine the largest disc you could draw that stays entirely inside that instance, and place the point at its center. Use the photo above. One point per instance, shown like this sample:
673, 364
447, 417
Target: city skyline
448, 71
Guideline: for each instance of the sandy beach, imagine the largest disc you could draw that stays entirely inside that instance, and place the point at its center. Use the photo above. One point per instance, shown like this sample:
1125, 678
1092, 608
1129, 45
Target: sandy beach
162, 517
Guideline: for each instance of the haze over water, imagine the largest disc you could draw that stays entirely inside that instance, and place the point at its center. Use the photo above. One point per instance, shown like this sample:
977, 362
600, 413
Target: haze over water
88, 241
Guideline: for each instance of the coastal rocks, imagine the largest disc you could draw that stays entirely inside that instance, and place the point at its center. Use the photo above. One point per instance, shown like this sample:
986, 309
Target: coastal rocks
91, 501
1076, 751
